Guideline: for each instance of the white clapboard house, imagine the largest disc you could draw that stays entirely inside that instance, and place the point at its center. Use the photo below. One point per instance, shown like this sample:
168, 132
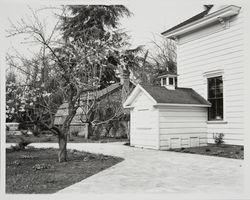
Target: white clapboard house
209, 97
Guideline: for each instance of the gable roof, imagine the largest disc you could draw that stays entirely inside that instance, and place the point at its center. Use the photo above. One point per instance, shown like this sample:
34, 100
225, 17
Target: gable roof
192, 19
62, 111
202, 19
161, 95
100, 93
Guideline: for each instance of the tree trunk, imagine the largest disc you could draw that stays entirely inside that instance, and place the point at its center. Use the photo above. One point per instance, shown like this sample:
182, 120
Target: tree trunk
62, 140
128, 130
90, 130
125, 84
125, 92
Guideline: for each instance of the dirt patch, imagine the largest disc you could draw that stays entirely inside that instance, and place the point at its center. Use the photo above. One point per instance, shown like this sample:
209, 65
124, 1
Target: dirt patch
37, 170
223, 150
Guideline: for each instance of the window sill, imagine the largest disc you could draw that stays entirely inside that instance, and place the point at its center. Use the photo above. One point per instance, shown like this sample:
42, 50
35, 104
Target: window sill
216, 122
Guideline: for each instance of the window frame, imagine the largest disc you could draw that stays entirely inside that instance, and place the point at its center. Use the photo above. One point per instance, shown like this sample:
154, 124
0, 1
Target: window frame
164, 79
216, 99
172, 78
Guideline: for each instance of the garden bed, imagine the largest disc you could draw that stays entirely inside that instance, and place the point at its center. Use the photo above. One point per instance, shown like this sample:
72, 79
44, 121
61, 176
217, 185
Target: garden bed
54, 139
37, 171
222, 150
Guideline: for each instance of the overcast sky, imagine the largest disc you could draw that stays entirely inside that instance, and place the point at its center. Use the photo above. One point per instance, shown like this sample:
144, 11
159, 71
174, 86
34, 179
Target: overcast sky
149, 18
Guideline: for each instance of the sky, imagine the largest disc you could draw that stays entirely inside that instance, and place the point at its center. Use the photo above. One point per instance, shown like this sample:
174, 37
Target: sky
149, 18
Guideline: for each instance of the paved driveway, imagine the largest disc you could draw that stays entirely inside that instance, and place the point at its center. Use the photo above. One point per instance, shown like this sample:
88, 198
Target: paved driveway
158, 171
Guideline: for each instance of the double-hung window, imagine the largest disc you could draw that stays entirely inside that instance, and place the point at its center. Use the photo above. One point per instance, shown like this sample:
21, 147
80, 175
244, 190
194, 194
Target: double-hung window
215, 97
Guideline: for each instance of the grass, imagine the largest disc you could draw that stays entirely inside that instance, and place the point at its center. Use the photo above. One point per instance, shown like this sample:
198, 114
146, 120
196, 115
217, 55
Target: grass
54, 139
37, 171
223, 150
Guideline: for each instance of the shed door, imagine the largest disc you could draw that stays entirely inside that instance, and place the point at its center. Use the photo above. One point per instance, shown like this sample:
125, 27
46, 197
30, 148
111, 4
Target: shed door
142, 131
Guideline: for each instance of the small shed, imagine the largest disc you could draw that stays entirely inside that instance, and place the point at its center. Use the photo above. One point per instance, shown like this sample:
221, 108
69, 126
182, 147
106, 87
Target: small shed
164, 117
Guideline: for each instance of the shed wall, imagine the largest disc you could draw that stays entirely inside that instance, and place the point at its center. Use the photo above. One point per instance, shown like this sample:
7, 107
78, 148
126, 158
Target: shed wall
182, 127
144, 123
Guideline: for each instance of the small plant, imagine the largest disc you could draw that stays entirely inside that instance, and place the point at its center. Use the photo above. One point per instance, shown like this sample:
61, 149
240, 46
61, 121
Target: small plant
219, 138
28, 157
16, 163
42, 166
208, 150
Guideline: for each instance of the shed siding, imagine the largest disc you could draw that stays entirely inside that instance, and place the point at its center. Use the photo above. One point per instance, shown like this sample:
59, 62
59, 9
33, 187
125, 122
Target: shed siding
182, 127
144, 123
217, 50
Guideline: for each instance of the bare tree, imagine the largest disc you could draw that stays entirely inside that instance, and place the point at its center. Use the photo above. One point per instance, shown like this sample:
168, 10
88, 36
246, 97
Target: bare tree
65, 71
163, 57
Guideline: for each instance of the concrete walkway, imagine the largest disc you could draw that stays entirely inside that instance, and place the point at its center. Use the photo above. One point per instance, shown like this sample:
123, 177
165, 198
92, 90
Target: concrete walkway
151, 171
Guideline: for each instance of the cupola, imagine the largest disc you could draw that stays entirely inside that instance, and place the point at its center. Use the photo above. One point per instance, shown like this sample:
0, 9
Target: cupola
168, 80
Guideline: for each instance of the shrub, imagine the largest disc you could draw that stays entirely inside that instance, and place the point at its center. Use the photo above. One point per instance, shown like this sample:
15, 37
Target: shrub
22, 126
74, 133
20, 145
94, 137
46, 132
219, 138
124, 136
36, 133
48, 139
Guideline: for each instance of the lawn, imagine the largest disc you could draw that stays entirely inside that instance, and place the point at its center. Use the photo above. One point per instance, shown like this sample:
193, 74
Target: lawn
54, 139
222, 150
37, 171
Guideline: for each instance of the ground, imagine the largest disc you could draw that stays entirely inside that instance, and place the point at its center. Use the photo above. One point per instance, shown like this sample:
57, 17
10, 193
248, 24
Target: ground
151, 171
53, 139
228, 151
222, 150
37, 170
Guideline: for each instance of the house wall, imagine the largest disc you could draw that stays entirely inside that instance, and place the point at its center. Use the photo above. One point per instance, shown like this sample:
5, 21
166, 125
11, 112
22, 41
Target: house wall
144, 123
182, 127
212, 49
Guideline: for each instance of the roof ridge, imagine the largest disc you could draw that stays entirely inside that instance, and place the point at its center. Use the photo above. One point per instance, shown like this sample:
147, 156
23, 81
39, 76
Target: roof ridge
191, 19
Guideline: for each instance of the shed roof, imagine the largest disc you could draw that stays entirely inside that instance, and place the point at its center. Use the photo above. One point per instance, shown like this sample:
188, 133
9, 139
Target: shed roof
160, 95
178, 96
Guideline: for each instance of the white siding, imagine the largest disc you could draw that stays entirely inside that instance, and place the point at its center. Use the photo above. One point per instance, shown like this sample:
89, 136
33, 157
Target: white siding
217, 50
144, 123
182, 127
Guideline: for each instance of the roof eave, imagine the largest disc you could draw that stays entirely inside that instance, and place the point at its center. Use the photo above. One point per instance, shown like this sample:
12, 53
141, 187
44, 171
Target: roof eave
213, 17
183, 105
134, 93
167, 75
